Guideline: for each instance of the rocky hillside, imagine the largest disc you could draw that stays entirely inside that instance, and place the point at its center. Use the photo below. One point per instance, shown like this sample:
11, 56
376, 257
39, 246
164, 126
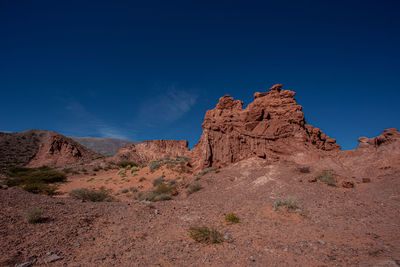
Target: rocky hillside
103, 146
35, 148
152, 150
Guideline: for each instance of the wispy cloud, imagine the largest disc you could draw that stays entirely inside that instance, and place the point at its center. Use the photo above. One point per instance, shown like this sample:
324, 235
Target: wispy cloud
158, 111
86, 123
166, 108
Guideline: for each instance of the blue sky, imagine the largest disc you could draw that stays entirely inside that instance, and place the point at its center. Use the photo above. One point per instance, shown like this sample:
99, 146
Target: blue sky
146, 70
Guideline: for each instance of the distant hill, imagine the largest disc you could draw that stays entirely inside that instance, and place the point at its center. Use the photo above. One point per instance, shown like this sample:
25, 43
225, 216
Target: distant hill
40, 147
104, 146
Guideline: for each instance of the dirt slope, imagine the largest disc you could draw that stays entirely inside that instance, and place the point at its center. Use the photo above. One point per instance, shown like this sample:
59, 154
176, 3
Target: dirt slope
338, 226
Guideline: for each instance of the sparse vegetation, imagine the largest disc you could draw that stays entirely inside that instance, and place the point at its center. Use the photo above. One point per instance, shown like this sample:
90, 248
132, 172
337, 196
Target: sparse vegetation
124, 191
290, 204
158, 180
34, 215
91, 195
96, 169
122, 173
327, 178
162, 192
133, 189
35, 180
141, 179
203, 172
154, 165
204, 234
171, 182
125, 164
134, 169
193, 188
232, 218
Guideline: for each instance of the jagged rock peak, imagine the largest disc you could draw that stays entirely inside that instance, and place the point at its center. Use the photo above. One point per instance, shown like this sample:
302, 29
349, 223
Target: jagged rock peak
273, 125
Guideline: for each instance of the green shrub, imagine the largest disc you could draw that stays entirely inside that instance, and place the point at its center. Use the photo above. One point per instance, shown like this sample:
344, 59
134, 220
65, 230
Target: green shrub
183, 159
158, 181
193, 188
40, 188
35, 180
232, 218
327, 177
204, 234
154, 165
122, 173
125, 164
290, 204
134, 169
124, 191
34, 215
162, 192
133, 189
96, 169
141, 179
91, 195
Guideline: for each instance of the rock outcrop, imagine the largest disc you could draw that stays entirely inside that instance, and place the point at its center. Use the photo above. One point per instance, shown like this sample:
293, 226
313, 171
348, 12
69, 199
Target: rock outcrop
375, 156
152, 150
57, 150
272, 126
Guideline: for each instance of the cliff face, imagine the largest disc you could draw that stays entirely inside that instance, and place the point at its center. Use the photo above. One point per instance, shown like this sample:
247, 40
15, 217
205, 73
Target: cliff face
152, 150
57, 150
272, 126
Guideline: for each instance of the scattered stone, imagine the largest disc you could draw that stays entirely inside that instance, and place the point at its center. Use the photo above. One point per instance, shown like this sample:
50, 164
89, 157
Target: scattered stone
77, 244
3, 186
347, 184
228, 237
52, 258
252, 258
286, 249
366, 180
321, 242
25, 264
312, 180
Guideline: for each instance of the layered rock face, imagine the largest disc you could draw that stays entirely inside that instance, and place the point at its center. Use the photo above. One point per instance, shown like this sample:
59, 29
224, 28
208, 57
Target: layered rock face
272, 126
152, 150
57, 150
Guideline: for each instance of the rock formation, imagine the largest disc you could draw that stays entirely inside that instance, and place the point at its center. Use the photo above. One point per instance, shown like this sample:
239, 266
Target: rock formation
375, 156
152, 150
57, 150
272, 126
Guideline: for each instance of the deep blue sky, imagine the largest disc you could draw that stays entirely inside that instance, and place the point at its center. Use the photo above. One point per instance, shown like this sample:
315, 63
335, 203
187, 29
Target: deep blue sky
147, 70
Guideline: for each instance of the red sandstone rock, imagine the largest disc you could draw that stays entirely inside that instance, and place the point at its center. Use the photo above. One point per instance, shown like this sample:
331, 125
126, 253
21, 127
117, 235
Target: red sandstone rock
312, 180
366, 180
347, 184
58, 150
152, 150
272, 126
